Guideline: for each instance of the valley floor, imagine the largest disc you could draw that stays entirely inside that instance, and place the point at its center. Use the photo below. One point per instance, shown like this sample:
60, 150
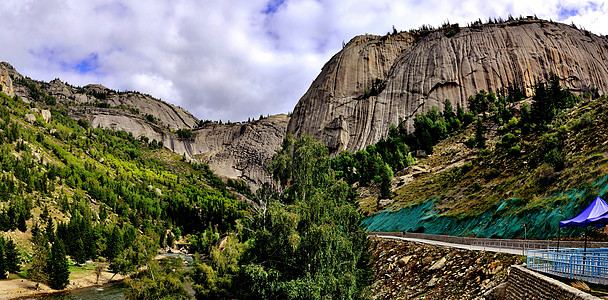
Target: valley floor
19, 287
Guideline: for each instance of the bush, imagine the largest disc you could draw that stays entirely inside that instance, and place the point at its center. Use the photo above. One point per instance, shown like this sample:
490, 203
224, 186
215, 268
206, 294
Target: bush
184, 134
470, 143
83, 123
556, 159
515, 150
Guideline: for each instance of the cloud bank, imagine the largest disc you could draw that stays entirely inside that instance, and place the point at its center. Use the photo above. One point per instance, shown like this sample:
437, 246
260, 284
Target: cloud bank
227, 59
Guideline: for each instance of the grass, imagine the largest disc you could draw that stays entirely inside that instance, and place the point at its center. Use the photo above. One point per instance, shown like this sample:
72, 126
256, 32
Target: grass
494, 175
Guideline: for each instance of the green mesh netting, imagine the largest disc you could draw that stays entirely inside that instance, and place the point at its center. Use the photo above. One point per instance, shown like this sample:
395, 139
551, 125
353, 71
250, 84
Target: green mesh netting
505, 220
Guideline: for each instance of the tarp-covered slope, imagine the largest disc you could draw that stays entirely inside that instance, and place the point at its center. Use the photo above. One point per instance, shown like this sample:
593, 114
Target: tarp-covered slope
500, 222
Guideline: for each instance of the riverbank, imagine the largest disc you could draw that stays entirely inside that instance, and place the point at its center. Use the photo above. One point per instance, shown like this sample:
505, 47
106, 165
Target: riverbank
22, 288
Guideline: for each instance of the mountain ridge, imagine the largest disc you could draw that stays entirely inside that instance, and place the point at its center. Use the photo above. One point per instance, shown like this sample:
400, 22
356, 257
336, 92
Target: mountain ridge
157, 120
437, 65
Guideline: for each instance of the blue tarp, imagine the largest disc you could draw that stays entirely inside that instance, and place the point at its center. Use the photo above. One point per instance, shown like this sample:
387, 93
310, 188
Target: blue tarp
594, 215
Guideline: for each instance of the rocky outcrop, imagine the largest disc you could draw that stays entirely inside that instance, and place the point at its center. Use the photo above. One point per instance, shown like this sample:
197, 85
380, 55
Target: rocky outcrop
416, 74
241, 150
235, 150
352, 76
166, 114
6, 83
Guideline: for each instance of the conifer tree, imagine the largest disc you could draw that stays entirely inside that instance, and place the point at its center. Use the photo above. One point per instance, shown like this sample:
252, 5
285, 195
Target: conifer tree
3, 269
58, 267
21, 223
12, 256
50, 229
79, 252
114, 244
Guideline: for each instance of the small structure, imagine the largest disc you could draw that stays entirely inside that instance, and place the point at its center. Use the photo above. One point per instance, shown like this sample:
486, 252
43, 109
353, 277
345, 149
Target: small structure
576, 263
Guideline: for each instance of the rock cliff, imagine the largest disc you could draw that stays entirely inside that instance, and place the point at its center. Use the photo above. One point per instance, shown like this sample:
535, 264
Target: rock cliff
236, 150
410, 74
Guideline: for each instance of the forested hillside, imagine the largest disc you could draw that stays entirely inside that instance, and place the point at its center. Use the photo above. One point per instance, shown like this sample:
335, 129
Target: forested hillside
522, 164
97, 194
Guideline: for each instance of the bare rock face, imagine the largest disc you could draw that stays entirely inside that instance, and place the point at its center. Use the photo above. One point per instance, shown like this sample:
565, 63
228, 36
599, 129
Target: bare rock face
423, 72
350, 77
6, 83
235, 151
166, 114
241, 150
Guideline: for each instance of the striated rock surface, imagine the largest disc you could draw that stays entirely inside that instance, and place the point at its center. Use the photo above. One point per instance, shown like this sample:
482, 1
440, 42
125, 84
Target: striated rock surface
167, 114
237, 150
6, 83
363, 65
241, 150
419, 73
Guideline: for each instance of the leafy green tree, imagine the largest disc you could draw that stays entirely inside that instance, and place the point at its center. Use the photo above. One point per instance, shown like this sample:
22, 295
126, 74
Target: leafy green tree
167, 283
385, 186
213, 279
38, 269
59, 271
309, 247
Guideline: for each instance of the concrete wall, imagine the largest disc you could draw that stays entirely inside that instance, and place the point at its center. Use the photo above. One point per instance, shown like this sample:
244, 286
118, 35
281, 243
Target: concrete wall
525, 284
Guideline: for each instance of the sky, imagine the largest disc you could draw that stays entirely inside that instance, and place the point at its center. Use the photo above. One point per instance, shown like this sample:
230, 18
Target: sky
227, 59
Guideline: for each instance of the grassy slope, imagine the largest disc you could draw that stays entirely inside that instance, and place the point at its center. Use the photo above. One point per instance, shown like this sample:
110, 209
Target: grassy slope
516, 184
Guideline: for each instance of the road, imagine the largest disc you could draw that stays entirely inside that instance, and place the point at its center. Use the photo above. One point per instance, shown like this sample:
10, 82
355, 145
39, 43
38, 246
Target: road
459, 246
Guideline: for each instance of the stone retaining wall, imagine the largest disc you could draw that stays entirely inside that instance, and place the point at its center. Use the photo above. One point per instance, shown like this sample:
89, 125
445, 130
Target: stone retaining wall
525, 284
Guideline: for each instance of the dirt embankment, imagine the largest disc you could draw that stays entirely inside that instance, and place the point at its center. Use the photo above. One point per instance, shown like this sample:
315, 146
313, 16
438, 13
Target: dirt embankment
409, 270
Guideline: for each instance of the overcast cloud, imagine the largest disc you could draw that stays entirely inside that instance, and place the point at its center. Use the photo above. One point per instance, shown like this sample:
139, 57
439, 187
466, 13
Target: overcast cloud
222, 59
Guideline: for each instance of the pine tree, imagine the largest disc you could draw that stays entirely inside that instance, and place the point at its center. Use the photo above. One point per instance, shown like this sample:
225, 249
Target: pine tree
114, 244
50, 229
3, 269
58, 267
479, 137
21, 223
12, 256
79, 252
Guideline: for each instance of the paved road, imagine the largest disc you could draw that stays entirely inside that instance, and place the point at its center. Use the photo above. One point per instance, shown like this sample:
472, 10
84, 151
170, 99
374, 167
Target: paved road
459, 246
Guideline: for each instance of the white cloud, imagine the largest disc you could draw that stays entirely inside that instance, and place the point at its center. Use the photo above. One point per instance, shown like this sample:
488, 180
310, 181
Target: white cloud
226, 59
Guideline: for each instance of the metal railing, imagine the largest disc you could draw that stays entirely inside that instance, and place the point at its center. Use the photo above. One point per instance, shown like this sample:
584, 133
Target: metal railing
519, 244
572, 263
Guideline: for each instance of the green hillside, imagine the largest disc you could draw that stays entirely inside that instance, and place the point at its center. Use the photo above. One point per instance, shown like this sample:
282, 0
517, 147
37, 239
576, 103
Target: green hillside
100, 194
535, 169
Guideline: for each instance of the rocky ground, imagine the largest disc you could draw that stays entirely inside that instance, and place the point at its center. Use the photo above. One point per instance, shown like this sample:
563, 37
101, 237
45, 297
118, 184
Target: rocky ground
409, 270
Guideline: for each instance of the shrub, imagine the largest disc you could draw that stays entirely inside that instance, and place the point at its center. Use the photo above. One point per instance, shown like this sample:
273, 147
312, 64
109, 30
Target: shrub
470, 143
515, 150
184, 134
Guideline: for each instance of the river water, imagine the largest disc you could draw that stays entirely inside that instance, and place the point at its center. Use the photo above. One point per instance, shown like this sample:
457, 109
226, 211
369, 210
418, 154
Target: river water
112, 291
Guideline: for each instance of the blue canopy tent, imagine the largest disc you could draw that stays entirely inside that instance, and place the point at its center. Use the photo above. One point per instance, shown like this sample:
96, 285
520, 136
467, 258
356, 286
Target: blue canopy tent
596, 214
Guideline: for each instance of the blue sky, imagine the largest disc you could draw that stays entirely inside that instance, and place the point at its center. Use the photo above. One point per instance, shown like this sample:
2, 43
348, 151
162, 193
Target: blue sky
227, 59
